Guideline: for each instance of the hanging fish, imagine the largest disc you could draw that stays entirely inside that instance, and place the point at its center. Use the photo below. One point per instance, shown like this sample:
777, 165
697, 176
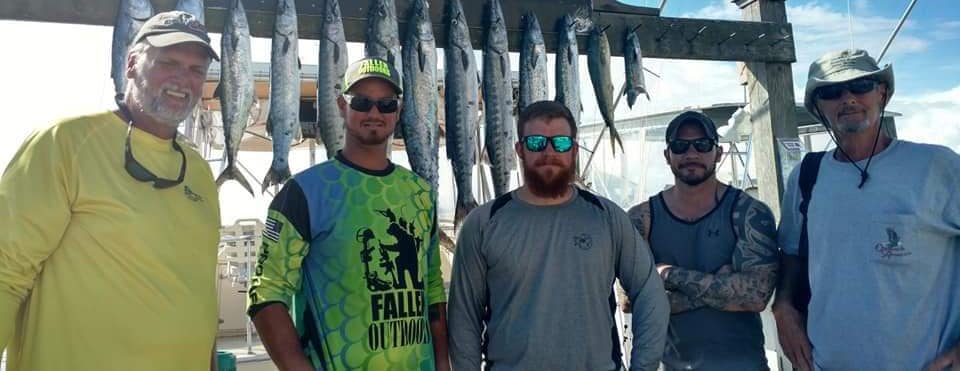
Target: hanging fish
633, 64
500, 129
598, 62
192, 7
568, 67
236, 90
383, 40
283, 120
331, 68
460, 98
130, 17
421, 131
533, 62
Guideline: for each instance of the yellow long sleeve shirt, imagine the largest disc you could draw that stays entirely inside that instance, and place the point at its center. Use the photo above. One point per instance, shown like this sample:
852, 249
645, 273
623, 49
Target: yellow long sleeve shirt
99, 271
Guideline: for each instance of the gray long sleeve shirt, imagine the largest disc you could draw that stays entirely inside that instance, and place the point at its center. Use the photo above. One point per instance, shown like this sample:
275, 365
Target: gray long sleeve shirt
532, 288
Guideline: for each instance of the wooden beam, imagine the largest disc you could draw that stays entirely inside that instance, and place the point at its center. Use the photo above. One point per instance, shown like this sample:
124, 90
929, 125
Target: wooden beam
701, 39
770, 89
672, 38
771, 107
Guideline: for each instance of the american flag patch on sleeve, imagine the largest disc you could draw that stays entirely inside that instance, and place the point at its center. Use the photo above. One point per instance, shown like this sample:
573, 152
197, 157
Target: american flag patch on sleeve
272, 230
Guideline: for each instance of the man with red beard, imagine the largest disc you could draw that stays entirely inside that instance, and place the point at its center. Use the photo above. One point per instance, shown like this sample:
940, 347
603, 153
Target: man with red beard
111, 225
534, 269
715, 248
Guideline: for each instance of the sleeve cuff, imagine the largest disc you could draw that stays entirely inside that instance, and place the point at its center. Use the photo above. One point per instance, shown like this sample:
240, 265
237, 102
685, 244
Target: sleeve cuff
254, 309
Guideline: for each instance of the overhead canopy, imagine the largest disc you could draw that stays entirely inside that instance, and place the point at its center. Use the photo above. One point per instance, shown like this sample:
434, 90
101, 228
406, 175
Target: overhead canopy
722, 114
660, 37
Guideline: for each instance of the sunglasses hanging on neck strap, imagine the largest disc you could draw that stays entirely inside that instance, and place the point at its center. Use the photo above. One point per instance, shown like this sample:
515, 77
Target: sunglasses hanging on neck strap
136, 169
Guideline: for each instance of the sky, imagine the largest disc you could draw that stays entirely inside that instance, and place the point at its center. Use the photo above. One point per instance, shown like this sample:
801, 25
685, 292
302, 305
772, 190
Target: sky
63, 70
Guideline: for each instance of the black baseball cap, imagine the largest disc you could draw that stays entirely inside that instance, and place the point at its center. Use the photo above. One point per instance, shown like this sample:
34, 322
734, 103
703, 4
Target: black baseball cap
692, 117
372, 68
174, 27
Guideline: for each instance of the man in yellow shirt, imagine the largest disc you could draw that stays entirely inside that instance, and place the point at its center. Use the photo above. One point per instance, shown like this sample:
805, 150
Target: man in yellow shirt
110, 225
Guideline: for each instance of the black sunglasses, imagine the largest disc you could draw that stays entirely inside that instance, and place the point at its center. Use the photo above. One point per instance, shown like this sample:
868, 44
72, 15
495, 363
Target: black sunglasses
538, 143
137, 170
681, 146
857, 87
364, 104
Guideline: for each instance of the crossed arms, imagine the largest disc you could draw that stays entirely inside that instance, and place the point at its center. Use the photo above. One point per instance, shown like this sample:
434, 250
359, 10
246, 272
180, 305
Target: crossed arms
744, 285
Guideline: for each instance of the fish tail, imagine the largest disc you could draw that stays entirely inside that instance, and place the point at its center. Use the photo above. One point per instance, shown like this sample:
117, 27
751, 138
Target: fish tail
615, 140
464, 206
275, 177
447, 242
232, 172
631, 97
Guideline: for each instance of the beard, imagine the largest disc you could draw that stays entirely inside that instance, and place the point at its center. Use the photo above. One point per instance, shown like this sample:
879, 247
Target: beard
843, 127
552, 184
852, 127
690, 178
149, 98
370, 137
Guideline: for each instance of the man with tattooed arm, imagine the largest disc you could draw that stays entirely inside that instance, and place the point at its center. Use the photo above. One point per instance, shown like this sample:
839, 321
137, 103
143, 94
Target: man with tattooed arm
715, 248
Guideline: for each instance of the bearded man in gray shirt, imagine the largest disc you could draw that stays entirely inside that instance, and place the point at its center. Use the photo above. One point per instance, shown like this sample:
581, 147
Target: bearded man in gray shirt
534, 269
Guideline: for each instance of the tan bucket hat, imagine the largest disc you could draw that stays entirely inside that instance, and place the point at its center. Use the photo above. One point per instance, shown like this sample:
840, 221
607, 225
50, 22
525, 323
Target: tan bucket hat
843, 66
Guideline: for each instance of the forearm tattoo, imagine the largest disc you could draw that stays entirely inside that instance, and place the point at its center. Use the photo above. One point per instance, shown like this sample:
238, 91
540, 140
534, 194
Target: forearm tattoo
755, 263
680, 302
640, 216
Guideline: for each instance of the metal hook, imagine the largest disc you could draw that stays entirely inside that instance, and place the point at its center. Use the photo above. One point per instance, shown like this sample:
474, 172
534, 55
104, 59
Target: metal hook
636, 28
604, 29
698, 34
732, 34
669, 28
748, 43
782, 39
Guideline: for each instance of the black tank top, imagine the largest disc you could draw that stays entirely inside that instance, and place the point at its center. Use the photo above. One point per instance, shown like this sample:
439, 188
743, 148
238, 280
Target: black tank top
705, 338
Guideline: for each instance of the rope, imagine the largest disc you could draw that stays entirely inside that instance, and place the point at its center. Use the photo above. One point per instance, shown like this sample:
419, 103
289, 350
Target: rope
850, 23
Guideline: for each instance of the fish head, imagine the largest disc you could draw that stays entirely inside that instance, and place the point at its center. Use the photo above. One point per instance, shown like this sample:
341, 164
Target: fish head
332, 23
494, 25
380, 8
566, 27
332, 13
458, 34
494, 14
286, 17
596, 31
420, 18
140, 10
531, 27
453, 14
632, 38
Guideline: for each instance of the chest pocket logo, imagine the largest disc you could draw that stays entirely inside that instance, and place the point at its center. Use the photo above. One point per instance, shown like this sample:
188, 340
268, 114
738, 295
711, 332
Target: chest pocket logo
583, 241
893, 247
191, 195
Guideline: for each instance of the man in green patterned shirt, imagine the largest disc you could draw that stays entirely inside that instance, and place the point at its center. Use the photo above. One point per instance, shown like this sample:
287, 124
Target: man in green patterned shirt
348, 275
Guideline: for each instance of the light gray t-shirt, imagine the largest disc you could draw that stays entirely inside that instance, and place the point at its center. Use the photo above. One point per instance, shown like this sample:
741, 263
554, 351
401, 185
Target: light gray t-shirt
532, 288
884, 259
